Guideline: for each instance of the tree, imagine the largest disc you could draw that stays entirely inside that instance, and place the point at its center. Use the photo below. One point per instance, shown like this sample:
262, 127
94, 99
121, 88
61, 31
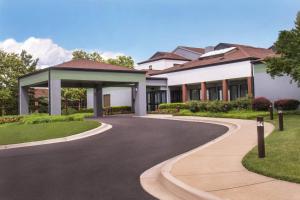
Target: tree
125, 61
287, 47
12, 66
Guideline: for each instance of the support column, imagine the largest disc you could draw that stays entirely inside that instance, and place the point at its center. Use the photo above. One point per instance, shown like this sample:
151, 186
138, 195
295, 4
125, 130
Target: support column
203, 91
90, 98
250, 86
54, 97
133, 96
140, 99
184, 93
225, 89
168, 95
98, 107
23, 101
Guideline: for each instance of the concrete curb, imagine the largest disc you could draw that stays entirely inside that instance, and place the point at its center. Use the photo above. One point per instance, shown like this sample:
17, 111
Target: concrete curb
95, 131
174, 185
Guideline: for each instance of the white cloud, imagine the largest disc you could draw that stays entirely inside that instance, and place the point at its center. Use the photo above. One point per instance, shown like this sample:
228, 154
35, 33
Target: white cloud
48, 52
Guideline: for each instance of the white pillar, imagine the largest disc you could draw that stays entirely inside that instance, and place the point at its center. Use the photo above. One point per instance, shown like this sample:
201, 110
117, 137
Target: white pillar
168, 95
23, 101
140, 100
98, 107
90, 98
54, 97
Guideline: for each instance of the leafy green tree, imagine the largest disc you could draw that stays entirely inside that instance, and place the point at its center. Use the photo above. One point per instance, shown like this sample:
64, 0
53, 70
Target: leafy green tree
125, 61
288, 48
12, 66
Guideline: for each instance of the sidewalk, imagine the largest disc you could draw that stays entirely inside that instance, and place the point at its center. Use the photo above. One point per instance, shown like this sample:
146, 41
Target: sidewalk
216, 170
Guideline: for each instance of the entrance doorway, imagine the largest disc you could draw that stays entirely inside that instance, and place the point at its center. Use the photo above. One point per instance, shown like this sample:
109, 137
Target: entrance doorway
154, 98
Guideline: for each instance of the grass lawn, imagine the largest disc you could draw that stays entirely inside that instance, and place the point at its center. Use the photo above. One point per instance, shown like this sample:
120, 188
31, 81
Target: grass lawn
17, 133
238, 114
282, 159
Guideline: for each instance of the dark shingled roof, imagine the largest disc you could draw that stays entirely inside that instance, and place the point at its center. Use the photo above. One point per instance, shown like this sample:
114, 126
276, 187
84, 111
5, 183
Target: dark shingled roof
194, 49
241, 52
164, 55
93, 65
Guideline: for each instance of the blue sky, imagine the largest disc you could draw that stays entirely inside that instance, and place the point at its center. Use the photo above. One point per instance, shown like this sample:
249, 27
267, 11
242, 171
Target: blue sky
139, 28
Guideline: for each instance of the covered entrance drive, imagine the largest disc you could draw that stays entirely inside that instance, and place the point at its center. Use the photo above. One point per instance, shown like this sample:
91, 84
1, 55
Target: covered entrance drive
83, 74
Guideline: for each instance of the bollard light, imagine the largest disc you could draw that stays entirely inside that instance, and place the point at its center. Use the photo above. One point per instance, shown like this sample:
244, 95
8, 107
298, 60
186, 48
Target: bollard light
280, 120
271, 112
260, 137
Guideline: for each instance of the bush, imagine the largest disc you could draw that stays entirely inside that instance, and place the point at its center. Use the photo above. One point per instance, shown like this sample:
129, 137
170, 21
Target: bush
287, 104
261, 104
44, 118
241, 103
193, 106
69, 111
218, 106
10, 119
173, 106
118, 110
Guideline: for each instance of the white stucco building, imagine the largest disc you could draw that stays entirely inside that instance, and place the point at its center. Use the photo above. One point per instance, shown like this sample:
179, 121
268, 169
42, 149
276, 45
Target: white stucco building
224, 72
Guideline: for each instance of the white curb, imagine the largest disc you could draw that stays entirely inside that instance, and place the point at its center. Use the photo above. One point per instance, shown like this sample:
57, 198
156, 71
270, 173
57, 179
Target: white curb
95, 131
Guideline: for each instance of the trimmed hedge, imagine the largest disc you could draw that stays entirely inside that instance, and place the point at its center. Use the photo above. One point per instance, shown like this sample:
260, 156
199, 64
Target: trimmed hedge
118, 110
44, 118
10, 119
173, 106
286, 104
261, 104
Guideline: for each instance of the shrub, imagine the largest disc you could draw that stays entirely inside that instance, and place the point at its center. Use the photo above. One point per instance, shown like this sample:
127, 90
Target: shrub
287, 104
173, 106
118, 109
44, 118
193, 106
69, 111
218, 106
10, 119
261, 104
241, 103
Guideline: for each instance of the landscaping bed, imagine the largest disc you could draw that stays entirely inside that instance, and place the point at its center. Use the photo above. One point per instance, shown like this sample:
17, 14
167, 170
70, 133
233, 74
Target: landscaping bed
36, 127
282, 159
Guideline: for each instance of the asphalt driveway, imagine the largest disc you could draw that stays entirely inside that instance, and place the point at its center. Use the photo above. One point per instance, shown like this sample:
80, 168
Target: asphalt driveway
101, 167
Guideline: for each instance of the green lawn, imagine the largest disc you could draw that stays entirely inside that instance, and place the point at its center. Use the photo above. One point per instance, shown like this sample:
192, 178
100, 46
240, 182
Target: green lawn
17, 133
282, 159
238, 114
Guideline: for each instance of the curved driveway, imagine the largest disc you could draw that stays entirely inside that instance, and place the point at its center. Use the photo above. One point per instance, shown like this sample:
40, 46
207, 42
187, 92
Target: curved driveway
101, 167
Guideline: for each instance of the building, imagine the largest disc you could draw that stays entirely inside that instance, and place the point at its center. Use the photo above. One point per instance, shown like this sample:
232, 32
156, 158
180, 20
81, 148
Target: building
223, 72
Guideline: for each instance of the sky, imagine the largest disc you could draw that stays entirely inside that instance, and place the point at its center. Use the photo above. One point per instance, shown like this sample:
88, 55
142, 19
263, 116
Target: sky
52, 29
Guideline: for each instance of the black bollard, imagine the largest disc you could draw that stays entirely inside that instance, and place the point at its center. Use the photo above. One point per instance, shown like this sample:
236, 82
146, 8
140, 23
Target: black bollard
271, 112
280, 120
260, 137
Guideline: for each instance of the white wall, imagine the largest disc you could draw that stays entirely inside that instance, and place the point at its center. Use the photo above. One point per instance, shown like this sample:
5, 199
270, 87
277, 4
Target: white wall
119, 96
213, 73
159, 64
274, 89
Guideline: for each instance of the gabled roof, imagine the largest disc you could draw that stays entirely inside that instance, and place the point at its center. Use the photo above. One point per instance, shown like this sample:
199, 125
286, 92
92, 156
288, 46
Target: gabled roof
164, 55
240, 53
194, 49
92, 65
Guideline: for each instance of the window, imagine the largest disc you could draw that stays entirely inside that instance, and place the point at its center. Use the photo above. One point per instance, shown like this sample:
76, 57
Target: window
194, 94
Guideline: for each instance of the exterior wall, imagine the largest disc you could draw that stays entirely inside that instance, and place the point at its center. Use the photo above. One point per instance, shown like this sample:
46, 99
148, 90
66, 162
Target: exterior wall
212, 73
273, 89
34, 79
157, 82
159, 64
119, 96
187, 54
